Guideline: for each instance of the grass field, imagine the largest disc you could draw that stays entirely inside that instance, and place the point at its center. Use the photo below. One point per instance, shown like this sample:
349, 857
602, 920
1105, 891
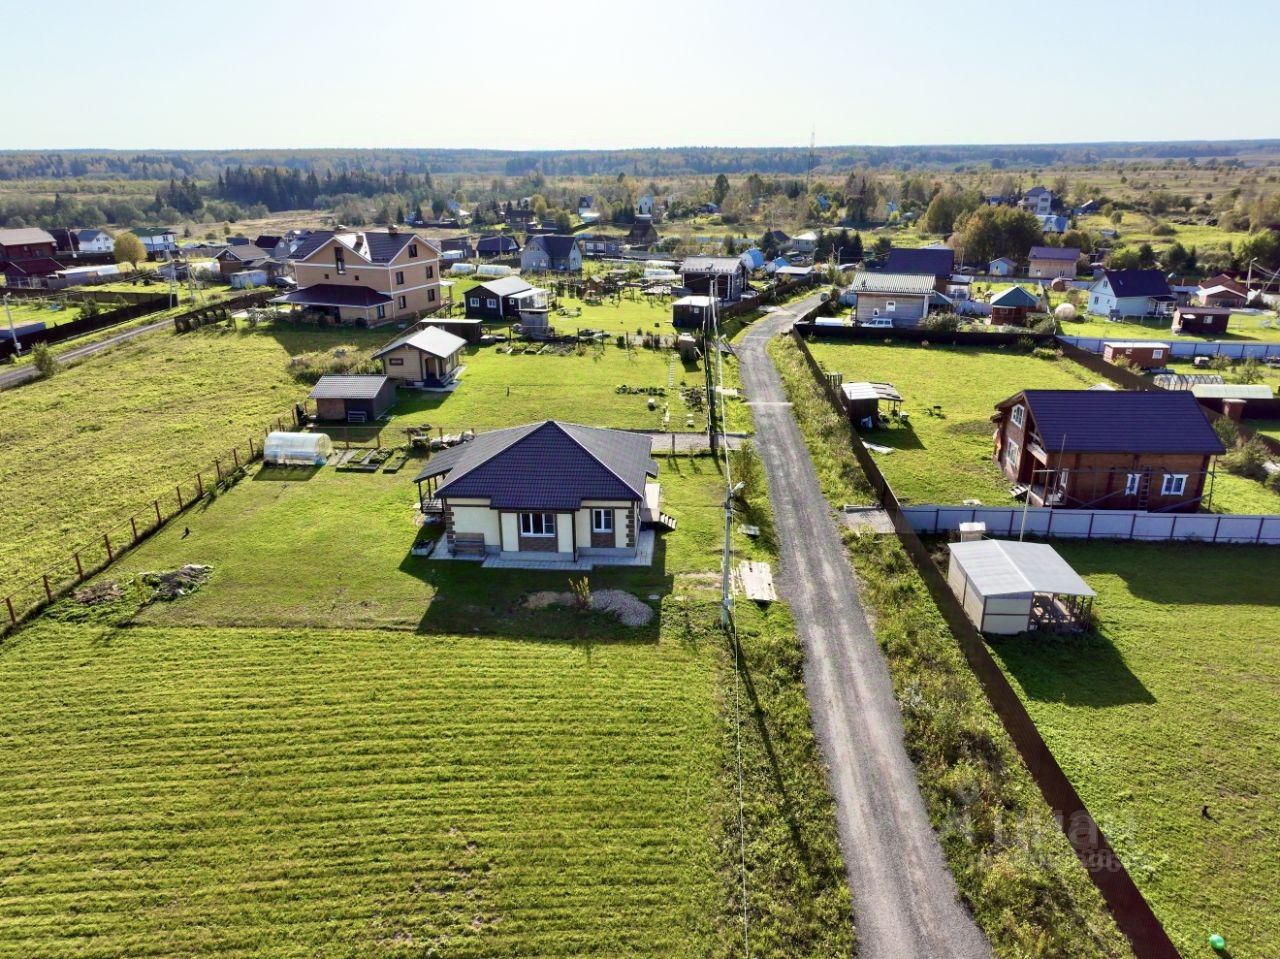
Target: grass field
1241, 327
947, 458
1171, 707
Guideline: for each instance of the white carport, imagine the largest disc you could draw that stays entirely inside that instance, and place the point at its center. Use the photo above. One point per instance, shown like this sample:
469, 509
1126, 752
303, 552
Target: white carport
1008, 587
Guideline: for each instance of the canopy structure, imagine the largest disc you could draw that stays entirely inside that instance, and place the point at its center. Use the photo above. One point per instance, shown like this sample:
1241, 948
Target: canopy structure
297, 449
1010, 587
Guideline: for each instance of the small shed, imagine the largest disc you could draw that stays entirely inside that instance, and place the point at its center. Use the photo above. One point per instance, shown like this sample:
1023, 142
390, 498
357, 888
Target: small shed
353, 399
1008, 587
1202, 320
1011, 306
690, 312
1144, 354
862, 400
297, 449
1002, 266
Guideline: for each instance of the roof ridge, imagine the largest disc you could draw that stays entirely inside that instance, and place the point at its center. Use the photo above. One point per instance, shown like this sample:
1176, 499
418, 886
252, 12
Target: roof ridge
610, 470
523, 431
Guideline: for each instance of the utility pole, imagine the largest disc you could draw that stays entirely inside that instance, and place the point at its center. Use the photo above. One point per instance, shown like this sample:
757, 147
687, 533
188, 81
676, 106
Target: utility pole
17, 347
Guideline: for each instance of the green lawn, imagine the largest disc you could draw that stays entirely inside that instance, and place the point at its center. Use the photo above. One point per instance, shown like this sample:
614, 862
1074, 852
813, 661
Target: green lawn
1241, 327
1172, 707
946, 458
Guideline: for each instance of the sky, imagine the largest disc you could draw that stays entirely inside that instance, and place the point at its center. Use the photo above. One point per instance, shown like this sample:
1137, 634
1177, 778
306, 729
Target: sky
603, 74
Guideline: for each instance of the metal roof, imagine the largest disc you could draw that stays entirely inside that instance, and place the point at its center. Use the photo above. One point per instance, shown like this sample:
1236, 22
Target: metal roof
996, 567
907, 283
1015, 296
936, 261
871, 391
554, 245
1054, 253
334, 386
1137, 282
1232, 391
712, 264
377, 246
334, 294
432, 340
1119, 421
24, 236
506, 286
549, 465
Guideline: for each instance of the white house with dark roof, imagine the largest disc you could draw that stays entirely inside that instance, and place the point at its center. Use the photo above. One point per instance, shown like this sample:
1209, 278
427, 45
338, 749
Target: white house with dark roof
94, 241
551, 253
903, 298
1038, 200
428, 358
550, 491
1131, 293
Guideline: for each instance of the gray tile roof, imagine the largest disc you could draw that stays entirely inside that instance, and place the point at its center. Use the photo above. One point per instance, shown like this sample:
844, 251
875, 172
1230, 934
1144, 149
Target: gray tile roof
379, 246
712, 264
505, 286
546, 466
1120, 421
431, 340
930, 260
334, 386
334, 294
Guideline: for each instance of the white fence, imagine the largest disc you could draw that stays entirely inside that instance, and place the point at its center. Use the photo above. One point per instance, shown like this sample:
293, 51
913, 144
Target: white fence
1185, 349
1098, 524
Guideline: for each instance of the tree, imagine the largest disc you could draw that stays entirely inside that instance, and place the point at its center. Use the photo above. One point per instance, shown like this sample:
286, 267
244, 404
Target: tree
564, 222
42, 359
990, 232
129, 249
720, 190
853, 249
1123, 258
1146, 256
881, 247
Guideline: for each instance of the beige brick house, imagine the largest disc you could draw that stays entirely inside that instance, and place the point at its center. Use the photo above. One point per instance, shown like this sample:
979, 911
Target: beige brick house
366, 277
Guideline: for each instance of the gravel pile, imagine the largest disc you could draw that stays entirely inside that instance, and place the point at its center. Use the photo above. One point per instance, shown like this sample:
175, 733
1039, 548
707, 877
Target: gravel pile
630, 610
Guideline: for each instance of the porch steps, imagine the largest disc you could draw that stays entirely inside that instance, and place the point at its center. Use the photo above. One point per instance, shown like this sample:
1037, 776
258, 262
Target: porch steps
663, 521
1020, 491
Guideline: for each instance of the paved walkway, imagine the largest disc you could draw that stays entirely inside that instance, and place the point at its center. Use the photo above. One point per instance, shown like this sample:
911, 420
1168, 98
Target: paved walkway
904, 898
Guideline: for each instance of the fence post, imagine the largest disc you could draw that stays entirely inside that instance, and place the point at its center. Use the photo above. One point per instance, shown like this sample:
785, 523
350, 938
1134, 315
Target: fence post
217, 464
252, 454
156, 503
134, 523
106, 539
79, 568
47, 591
199, 487
235, 456
8, 601
180, 505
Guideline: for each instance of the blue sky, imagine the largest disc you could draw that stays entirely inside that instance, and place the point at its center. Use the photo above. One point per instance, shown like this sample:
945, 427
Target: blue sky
569, 74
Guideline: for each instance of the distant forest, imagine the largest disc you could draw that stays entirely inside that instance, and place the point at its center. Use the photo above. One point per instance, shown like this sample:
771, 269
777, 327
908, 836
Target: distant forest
206, 165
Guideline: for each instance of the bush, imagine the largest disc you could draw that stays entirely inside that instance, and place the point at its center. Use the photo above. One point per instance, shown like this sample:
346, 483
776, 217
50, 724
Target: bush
1227, 432
941, 323
43, 360
1273, 482
1248, 460
309, 367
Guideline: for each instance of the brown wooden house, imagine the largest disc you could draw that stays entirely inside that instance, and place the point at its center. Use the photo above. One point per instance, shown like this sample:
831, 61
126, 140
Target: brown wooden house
1107, 449
1144, 354
1201, 320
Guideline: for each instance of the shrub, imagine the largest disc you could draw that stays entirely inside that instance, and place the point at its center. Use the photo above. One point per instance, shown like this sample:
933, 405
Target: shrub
941, 323
1227, 431
1273, 482
1220, 362
1248, 460
309, 367
43, 360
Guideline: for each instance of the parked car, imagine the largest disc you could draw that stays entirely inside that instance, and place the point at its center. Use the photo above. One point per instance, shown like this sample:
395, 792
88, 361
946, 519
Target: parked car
284, 282
878, 323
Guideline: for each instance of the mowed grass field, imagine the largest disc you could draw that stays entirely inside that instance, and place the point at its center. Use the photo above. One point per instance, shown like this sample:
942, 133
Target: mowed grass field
104, 438
946, 458
1172, 707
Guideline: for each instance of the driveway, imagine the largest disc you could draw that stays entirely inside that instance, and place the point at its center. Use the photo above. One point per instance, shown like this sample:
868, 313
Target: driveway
904, 899
27, 372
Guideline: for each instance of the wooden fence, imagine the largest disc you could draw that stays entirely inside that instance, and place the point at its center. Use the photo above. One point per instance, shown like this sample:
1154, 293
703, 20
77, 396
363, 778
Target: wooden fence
89, 324
1132, 912
97, 552
219, 312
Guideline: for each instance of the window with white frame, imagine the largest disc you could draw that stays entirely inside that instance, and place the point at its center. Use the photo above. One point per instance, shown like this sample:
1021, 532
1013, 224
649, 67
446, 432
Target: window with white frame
382, 311
1019, 415
1157, 354
399, 277
537, 524
339, 260
1174, 484
1011, 453
491, 303
890, 306
475, 301
395, 361
602, 521
403, 302
1131, 484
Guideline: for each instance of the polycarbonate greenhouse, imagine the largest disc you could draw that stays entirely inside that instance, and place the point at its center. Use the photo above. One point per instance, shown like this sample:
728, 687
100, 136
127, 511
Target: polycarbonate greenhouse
297, 449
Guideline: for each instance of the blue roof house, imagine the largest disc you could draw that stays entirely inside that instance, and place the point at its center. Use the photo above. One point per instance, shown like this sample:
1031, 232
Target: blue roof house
552, 494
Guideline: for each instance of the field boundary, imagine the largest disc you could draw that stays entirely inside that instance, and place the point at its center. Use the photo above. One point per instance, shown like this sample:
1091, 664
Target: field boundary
1184, 349
90, 324
1132, 912
27, 599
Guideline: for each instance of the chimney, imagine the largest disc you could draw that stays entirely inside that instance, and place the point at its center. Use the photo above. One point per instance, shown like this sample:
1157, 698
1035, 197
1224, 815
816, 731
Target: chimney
393, 229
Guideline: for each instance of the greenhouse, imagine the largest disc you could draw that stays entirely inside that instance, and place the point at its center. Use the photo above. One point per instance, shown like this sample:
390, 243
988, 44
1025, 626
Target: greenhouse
297, 449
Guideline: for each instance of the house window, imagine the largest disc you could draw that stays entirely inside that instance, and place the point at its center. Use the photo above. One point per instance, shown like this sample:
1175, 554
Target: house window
339, 260
537, 524
1157, 354
1175, 484
474, 301
399, 277
1011, 452
431, 296
431, 271
403, 302
1131, 483
382, 311
890, 306
395, 361
491, 303
602, 521
326, 276
413, 249
1019, 415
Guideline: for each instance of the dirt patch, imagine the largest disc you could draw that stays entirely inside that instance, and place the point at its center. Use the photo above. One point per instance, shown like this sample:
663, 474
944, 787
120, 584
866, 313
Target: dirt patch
629, 609
98, 593
171, 584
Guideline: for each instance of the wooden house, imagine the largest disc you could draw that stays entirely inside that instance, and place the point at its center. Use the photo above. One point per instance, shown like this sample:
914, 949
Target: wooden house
551, 253
26, 243
1106, 449
427, 357
690, 312
902, 298
724, 277
1010, 307
1222, 290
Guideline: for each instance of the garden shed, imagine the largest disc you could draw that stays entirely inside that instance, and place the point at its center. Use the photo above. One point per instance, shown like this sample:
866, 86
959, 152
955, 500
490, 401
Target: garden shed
862, 401
1009, 587
353, 399
1144, 354
1011, 306
297, 449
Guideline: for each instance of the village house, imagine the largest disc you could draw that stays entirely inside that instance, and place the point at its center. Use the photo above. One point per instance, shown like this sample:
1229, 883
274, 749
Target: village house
1002, 267
27, 243
902, 298
1054, 223
1038, 200
724, 277
779, 241
1052, 262
547, 491
426, 357
1131, 293
643, 235
508, 299
551, 253
596, 246
248, 257
95, 241
690, 312
1106, 449
805, 242
1222, 290
156, 240
938, 262
499, 245
366, 278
